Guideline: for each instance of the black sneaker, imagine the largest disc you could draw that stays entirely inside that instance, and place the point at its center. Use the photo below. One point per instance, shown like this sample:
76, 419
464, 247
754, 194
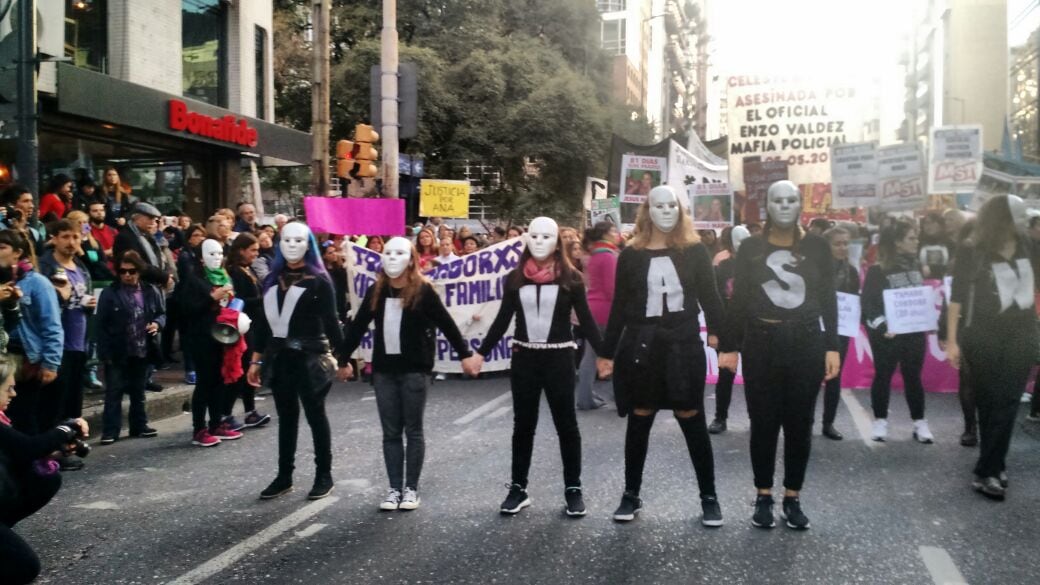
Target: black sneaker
712, 513
717, 426
153, 387
989, 487
144, 433
575, 503
516, 500
70, 463
763, 517
323, 486
628, 508
1002, 477
792, 513
108, 439
969, 439
280, 486
832, 433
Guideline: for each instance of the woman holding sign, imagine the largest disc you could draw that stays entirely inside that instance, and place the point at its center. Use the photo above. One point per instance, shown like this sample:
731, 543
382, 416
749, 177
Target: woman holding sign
992, 328
406, 311
846, 280
898, 267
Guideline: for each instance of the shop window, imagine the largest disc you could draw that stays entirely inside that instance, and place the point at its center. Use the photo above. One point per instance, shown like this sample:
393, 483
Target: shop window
260, 60
204, 50
86, 34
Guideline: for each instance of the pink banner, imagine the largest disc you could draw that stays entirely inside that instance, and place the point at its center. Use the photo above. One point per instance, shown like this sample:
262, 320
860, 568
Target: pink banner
354, 216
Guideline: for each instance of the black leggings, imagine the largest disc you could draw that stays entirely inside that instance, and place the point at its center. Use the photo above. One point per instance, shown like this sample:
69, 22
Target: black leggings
240, 388
209, 386
907, 352
832, 387
724, 393
698, 443
552, 370
783, 369
18, 562
290, 387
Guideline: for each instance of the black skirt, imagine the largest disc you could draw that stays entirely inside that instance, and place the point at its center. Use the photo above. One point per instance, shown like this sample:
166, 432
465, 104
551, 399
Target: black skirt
657, 369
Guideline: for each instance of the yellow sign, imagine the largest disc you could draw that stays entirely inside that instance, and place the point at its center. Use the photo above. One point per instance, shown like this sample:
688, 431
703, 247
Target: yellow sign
444, 198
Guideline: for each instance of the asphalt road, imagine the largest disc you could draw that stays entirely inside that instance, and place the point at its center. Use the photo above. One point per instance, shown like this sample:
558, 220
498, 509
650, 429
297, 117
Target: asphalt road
161, 511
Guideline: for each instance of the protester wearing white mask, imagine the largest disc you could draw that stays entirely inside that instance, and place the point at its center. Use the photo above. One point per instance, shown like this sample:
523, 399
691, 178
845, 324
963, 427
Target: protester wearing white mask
542, 292
783, 290
664, 276
406, 311
293, 338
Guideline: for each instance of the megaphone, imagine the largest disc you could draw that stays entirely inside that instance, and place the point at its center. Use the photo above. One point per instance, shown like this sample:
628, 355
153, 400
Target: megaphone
225, 333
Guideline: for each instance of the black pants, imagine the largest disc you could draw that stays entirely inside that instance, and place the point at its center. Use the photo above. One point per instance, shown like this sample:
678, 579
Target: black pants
551, 370
783, 369
724, 393
401, 400
125, 377
966, 395
999, 361
208, 396
291, 388
907, 352
63, 398
832, 387
18, 562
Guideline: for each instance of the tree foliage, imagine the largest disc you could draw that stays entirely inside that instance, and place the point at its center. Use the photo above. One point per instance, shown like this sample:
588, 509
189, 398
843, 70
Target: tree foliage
517, 84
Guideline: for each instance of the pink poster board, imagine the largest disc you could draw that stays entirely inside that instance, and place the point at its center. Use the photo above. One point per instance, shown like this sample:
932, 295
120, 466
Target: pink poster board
354, 216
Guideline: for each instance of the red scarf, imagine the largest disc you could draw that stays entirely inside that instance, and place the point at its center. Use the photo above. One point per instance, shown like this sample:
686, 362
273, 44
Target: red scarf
540, 274
4, 419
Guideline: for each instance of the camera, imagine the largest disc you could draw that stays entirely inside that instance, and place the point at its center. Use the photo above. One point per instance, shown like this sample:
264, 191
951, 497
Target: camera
81, 449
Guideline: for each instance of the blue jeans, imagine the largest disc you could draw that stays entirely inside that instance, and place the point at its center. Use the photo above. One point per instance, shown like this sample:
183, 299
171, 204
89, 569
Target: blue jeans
401, 400
127, 377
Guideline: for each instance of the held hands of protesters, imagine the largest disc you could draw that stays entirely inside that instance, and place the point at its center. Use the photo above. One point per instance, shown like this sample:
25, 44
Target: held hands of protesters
832, 365
253, 375
953, 354
604, 368
471, 366
345, 373
728, 361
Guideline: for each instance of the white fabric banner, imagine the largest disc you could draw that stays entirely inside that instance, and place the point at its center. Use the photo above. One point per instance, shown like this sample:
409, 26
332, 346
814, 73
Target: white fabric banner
911, 310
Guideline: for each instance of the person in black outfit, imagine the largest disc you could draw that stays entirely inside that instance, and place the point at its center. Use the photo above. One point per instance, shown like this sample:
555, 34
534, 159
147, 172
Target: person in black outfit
28, 480
406, 311
731, 238
782, 289
653, 335
242, 252
139, 235
333, 258
293, 337
846, 280
991, 323
542, 292
898, 267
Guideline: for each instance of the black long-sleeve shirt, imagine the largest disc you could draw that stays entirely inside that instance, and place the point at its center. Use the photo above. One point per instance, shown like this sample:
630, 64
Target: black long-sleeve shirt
683, 281
313, 316
782, 284
903, 274
22, 449
415, 343
994, 292
543, 314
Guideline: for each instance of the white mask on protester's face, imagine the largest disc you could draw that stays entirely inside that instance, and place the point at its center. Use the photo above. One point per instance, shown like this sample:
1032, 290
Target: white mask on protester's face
542, 236
664, 208
738, 235
784, 204
1019, 211
212, 254
397, 255
294, 241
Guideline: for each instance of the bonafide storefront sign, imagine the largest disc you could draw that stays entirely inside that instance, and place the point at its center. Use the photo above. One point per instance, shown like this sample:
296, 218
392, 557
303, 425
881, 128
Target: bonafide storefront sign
225, 129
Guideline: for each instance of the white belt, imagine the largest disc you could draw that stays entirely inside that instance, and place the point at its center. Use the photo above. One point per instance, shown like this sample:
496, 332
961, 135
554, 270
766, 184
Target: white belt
530, 345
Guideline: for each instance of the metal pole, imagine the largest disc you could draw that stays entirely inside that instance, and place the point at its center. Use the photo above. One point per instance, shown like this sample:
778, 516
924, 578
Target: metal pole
320, 16
27, 156
389, 131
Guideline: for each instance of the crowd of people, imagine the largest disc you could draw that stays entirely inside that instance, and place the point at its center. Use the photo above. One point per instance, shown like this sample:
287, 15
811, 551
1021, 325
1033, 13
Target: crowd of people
98, 278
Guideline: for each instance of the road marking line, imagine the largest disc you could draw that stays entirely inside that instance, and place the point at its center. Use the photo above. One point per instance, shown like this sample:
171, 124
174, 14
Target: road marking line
483, 409
100, 505
364, 398
233, 554
941, 566
860, 417
310, 530
500, 412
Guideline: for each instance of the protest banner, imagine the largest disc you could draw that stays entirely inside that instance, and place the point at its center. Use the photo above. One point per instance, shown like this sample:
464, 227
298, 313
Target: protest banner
349, 215
712, 205
910, 310
955, 164
848, 314
686, 169
439, 198
854, 175
900, 177
470, 287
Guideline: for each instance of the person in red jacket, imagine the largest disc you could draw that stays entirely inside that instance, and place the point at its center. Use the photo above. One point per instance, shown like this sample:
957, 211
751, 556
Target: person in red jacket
58, 199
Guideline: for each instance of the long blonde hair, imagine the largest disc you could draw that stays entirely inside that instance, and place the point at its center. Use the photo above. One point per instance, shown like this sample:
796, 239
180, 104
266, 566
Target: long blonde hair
682, 235
414, 282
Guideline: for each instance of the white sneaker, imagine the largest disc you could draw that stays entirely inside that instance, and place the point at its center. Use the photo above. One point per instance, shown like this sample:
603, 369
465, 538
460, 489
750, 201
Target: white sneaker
880, 430
392, 500
922, 433
410, 499
1026, 398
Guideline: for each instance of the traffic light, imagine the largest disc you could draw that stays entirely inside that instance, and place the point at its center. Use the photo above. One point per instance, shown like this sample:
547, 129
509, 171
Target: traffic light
344, 158
365, 154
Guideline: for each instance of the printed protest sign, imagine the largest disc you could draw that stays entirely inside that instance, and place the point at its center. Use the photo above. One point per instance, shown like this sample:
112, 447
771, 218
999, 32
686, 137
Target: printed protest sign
854, 175
955, 164
639, 174
900, 177
848, 314
438, 198
605, 210
910, 310
712, 205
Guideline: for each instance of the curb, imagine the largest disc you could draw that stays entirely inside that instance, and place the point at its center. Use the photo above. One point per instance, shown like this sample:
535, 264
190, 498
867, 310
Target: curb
172, 401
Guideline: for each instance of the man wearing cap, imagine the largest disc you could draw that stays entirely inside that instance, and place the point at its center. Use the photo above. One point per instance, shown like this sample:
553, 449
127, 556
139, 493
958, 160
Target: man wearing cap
139, 235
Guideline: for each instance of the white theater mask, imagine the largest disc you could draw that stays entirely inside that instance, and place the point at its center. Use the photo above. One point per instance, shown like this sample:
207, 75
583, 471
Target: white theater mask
664, 208
294, 241
738, 235
397, 255
784, 204
542, 236
212, 254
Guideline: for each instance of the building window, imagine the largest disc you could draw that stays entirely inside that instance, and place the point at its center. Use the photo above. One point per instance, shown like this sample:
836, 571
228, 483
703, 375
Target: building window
204, 49
610, 5
260, 60
612, 36
86, 34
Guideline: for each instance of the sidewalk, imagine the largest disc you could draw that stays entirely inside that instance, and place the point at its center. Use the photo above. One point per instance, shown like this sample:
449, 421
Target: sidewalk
173, 400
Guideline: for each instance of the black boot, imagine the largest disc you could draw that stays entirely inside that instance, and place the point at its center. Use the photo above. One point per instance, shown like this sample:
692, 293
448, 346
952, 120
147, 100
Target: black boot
281, 485
323, 486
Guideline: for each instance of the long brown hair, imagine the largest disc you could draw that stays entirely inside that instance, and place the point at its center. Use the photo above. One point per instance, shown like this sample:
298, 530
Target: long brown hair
239, 245
411, 293
994, 225
119, 192
892, 235
682, 235
433, 245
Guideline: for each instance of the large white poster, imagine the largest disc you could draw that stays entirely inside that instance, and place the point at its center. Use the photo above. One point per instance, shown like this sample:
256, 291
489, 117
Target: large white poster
900, 177
471, 289
854, 175
955, 164
793, 119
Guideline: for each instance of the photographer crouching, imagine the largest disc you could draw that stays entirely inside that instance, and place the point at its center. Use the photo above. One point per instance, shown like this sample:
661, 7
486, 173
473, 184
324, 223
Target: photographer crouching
29, 478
